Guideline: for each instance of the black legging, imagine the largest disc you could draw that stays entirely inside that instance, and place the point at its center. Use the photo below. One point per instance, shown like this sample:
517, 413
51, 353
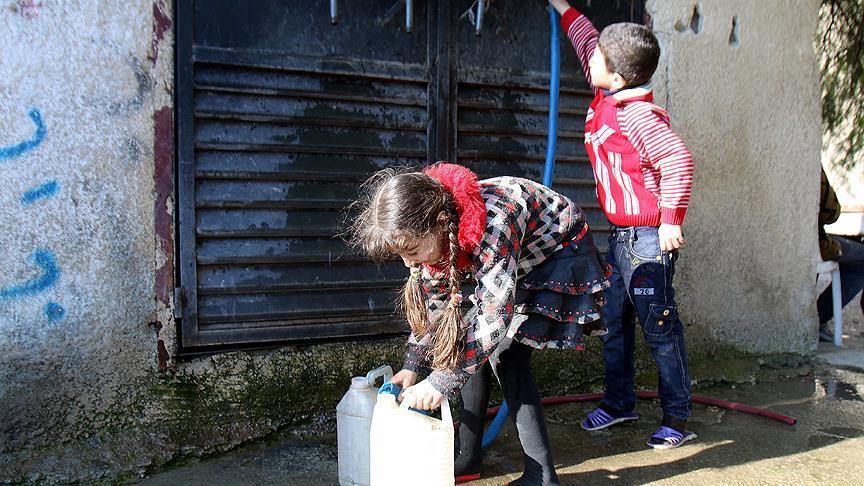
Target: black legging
512, 364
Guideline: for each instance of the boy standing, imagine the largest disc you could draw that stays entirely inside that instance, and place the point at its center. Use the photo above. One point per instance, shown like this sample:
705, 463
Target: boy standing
644, 175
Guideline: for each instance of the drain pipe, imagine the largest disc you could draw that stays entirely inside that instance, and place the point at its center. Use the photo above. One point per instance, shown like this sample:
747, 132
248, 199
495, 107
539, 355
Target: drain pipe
409, 16
478, 20
334, 12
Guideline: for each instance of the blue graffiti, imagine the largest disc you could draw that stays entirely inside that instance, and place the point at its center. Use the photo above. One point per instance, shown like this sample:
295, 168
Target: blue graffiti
27, 145
54, 312
42, 192
44, 259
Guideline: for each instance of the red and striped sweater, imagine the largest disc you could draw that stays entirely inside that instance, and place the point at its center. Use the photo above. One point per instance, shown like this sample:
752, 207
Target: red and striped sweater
643, 170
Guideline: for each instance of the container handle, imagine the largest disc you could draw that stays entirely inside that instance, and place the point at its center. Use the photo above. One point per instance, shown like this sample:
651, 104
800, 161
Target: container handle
446, 416
384, 371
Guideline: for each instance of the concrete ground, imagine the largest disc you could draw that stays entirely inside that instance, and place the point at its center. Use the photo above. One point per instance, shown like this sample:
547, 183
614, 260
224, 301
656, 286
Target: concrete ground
826, 446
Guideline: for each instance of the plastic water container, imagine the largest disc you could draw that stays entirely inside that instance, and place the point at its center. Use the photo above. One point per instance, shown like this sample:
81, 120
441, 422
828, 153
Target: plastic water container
408, 447
353, 423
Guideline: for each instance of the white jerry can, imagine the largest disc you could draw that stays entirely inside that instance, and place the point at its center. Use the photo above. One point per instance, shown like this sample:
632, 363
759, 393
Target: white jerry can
353, 423
409, 447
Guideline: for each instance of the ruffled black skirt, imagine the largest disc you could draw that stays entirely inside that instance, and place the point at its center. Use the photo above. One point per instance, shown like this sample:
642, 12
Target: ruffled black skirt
559, 301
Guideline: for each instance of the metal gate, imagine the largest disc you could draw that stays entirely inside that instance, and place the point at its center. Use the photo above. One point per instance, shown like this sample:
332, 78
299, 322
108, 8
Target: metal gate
281, 115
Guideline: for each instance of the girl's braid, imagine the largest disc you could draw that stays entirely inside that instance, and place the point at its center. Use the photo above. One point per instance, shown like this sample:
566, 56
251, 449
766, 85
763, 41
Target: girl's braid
449, 333
453, 239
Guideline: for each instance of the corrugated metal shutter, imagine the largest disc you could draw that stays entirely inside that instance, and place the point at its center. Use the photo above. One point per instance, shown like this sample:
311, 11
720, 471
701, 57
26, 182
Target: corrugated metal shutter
288, 115
281, 115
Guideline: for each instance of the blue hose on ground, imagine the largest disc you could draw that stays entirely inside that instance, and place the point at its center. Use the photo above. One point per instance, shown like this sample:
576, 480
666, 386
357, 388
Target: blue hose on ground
554, 82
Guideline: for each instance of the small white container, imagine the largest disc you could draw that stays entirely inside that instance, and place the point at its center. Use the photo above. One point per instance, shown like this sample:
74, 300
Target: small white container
353, 423
409, 447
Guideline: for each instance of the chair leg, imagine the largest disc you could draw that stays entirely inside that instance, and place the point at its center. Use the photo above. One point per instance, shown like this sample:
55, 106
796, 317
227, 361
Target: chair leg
838, 308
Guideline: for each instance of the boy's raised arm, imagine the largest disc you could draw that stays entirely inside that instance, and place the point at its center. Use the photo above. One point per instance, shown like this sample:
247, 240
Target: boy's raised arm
581, 33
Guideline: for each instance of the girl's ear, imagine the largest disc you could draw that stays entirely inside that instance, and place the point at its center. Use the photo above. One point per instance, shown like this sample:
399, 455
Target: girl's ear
442, 219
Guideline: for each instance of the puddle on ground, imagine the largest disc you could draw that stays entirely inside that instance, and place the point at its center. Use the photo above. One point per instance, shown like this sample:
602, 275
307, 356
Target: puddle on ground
830, 435
842, 432
843, 391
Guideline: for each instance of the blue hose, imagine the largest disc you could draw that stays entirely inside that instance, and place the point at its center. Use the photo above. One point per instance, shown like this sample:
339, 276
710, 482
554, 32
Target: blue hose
495, 426
555, 76
554, 83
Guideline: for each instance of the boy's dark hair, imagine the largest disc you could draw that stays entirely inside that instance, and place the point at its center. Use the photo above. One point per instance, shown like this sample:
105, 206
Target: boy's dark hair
631, 50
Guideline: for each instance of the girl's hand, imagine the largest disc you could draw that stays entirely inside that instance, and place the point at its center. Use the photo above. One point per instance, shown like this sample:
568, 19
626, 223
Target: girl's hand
405, 378
422, 396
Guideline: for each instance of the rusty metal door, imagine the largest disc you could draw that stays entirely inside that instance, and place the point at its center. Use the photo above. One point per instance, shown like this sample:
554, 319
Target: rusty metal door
281, 115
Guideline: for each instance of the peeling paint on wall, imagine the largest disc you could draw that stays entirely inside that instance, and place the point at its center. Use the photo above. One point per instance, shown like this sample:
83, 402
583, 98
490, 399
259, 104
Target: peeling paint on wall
163, 146
163, 141
29, 9
161, 24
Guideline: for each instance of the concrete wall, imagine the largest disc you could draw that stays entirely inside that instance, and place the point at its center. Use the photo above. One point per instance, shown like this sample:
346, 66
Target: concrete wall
77, 100
747, 104
90, 384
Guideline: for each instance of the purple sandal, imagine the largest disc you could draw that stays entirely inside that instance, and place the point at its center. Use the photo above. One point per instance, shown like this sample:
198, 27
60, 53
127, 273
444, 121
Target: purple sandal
600, 419
668, 438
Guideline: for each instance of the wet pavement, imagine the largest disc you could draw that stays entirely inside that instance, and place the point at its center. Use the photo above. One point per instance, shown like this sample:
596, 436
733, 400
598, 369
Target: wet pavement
826, 446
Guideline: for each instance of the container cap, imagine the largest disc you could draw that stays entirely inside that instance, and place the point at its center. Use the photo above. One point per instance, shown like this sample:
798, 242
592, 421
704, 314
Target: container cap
359, 383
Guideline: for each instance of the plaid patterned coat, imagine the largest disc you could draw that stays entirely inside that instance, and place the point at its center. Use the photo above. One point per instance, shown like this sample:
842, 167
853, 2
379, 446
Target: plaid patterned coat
525, 223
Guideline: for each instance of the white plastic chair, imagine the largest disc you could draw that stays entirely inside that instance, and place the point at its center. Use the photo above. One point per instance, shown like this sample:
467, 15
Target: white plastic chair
828, 272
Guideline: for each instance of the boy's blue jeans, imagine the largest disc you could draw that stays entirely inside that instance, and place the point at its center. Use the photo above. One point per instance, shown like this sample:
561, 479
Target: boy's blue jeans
642, 284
